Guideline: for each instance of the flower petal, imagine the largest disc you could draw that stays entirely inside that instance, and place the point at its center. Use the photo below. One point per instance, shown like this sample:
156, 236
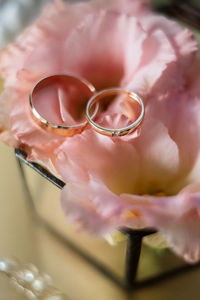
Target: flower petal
176, 218
5, 134
110, 158
171, 50
94, 207
43, 59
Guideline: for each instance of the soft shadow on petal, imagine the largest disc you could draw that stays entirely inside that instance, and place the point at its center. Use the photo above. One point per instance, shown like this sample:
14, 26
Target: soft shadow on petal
94, 50
159, 156
179, 112
114, 159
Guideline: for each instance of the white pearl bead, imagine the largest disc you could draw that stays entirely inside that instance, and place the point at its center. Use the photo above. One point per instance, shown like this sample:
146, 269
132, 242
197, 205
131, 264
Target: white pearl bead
32, 268
39, 284
7, 265
3, 266
29, 276
26, 274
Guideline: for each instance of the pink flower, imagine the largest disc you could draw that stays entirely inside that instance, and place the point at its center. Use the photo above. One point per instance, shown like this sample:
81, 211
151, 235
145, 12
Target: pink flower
146, 179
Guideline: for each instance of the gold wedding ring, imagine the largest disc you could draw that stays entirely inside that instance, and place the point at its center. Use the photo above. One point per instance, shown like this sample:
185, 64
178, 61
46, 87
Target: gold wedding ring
112, 131
86, 92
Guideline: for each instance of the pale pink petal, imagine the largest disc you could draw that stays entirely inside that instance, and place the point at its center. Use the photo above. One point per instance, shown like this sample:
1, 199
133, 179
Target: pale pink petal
94, 207
162, 63
99, 63
118, 164
81, 215
43, 59
186, 47
152, 63
25, 129
6, 135
171, 50
176, 218
25, 133
111, 158
4, 110
159, 155
182, 122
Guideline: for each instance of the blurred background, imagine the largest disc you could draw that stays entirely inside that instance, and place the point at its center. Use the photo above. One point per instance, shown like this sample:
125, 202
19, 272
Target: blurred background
22, 237
16, 14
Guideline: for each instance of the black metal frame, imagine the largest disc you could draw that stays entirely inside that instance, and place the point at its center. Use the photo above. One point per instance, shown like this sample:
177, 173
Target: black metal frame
134, 237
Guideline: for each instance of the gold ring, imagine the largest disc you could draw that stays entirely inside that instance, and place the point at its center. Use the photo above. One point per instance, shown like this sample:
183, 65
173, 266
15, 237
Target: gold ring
112, 131
86, 90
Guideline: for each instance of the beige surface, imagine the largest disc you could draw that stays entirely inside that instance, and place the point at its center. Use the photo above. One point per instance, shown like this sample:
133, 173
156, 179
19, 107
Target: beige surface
23, 238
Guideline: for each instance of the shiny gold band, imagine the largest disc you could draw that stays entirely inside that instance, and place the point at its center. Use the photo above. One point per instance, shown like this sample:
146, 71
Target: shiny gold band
49, 126
109, 131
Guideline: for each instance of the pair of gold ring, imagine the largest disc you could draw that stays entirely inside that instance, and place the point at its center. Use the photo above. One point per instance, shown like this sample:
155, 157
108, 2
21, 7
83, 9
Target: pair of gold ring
91, 110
